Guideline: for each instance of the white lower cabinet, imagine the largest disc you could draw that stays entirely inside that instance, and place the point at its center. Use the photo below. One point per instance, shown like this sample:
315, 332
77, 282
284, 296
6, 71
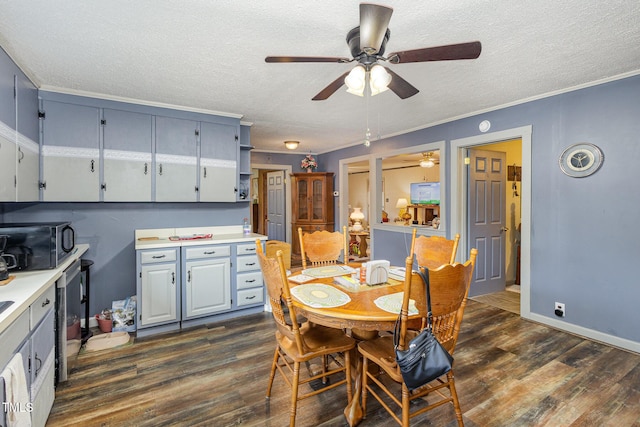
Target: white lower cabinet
158, 287
195, 284
32, 335
206, 280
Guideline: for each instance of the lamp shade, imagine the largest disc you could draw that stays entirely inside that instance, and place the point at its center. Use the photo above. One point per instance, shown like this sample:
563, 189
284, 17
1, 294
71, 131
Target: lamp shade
426, 163
355, 81
357, 214
379, 79
402, 203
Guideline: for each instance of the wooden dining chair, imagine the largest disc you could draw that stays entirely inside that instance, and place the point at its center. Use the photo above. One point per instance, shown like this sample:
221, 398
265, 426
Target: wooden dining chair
272, 246
433, 251
449, 286
296, 343
323, 247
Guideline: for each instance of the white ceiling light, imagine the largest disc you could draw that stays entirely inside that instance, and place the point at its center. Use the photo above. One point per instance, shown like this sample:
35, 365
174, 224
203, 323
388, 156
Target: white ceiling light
379, 79
291, 145
355, 80
427, 160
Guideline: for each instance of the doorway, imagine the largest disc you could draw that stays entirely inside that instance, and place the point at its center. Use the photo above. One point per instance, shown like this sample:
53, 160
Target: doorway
261, 171
460, 207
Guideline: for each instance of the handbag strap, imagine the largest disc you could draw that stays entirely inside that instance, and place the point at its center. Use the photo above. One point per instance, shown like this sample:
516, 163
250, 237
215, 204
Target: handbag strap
424, 274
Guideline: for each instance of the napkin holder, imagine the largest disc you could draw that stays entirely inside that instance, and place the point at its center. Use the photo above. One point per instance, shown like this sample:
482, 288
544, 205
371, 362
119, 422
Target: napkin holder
377, 272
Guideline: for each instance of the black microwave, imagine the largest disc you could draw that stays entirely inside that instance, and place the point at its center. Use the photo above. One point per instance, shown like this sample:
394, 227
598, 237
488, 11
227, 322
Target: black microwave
37, 246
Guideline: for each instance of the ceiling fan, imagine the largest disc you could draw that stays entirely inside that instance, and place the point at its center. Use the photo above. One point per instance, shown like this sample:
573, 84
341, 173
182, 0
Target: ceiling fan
428, 161
367, 43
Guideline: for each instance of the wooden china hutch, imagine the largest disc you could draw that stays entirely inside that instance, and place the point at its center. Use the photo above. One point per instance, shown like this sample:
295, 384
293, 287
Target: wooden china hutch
312, 204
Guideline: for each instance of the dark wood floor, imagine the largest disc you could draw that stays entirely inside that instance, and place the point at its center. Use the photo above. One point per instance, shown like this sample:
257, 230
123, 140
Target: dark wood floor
510, 372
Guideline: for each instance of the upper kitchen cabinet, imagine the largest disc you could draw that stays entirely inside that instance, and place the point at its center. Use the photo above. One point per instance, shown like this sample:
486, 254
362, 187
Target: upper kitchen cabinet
70, 152
7, 135
27, 147
244, 177
176, 160
218, 162
19, 128
126, 156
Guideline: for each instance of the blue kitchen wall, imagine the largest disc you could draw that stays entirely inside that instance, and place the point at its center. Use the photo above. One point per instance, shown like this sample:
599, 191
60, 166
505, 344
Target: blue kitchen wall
109, 229
584, 232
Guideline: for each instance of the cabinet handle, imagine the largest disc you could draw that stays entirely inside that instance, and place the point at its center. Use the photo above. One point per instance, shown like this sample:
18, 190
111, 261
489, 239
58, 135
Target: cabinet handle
21, 155
250, 264
173, 278
189, 276
104, 186
146, 168
209, 253
250, 249
205, 172
158, 256
251, 297
250, 281
93, 166
160, 169
46, 302
38, 364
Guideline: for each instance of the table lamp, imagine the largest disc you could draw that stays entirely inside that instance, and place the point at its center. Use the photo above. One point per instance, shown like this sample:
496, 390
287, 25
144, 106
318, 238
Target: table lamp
357, 216
402, 204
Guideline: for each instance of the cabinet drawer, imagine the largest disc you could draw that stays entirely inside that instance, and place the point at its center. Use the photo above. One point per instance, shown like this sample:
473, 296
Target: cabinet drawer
247, 249
248, 263
249, 280
250, 296
41, 306
207, 252
163, 255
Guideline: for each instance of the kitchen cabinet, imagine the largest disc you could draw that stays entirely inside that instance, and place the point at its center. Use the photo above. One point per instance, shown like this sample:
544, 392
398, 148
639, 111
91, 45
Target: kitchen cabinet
218, 162
158, 287
19, 133
249, 284
176, 160
206, 280
32, 336
244, 177
70, 152
312, 204
127, 151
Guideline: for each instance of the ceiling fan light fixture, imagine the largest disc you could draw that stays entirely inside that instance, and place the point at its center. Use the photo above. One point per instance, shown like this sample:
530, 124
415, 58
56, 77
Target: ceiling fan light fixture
355, 81
291, 145
379, 79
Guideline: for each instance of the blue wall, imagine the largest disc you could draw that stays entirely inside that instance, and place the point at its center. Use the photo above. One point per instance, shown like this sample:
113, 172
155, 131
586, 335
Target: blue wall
584, 232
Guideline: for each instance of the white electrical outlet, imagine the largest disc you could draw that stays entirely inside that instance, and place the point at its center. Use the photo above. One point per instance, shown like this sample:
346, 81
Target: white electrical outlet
559, 309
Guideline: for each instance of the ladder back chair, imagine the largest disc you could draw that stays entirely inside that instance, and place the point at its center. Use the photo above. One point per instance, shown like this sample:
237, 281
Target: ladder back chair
449, 286
272, 246
433, 251
323, 247
296, 344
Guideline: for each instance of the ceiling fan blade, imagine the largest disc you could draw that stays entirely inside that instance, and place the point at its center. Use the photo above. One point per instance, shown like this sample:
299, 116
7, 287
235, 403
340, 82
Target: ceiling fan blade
276, 59
400, 86
450, 52
374, 20
331, 89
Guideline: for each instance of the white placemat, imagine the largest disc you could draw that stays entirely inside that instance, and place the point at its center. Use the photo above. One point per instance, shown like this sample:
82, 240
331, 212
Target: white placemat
319, 295
393, 303
329, 271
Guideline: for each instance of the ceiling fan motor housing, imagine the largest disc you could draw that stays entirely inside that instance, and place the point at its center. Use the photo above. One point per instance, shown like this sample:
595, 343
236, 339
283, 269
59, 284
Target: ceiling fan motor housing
353, 40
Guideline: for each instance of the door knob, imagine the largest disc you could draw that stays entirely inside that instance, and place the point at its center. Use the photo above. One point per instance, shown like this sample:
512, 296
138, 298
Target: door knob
504, 228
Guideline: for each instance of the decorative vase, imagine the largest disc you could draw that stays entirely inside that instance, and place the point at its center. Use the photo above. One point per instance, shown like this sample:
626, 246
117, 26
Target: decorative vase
309, 170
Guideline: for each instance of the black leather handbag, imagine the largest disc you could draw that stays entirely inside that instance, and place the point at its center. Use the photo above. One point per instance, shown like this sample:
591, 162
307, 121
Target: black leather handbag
424, 359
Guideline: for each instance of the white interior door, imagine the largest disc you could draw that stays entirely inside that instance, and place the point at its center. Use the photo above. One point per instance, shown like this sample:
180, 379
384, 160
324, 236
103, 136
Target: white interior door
487, 223
275, 206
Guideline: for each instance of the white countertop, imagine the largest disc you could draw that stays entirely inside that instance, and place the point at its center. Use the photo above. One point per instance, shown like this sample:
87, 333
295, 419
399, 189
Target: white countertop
29, 285
220, 234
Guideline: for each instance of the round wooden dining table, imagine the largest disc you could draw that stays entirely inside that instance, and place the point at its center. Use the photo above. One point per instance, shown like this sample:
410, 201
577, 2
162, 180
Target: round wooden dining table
361, 316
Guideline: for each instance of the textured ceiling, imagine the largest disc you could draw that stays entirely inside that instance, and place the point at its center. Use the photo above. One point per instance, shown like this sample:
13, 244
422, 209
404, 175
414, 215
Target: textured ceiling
209, 55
